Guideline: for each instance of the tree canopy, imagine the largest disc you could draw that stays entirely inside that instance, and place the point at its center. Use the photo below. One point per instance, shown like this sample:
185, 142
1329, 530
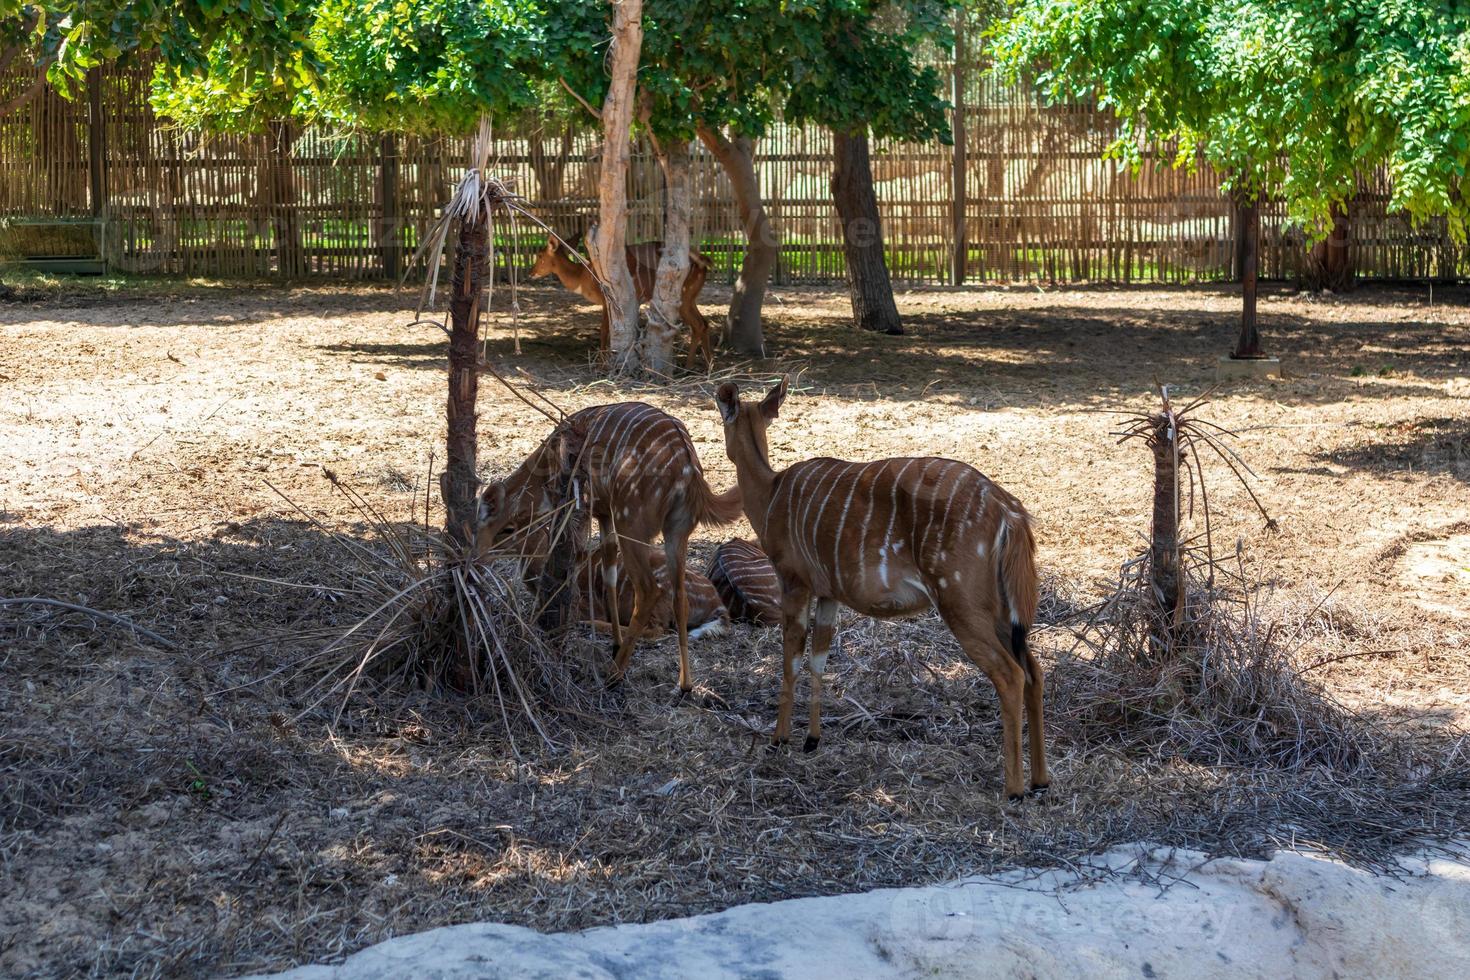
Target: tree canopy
744, 63
1298, 96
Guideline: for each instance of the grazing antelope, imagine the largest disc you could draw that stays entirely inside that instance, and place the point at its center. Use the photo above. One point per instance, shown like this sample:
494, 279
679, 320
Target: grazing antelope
890, 538
639, 476
555, 259
746, 581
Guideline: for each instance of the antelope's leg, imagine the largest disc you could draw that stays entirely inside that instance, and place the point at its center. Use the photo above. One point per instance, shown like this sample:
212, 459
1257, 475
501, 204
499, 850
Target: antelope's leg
824, 621
698, 336
1040, 776
604, 337
795, 602
676, 552
978, 640
611, 607
645, 597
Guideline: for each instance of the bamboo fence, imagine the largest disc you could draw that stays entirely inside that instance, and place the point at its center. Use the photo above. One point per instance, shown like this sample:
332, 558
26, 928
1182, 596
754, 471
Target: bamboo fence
1023, 195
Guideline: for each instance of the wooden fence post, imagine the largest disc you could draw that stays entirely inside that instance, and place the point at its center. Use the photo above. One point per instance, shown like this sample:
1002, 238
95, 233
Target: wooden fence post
390, 238
958, 206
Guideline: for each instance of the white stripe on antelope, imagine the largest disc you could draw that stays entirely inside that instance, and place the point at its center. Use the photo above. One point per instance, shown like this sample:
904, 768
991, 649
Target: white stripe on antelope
639, 476
891, 538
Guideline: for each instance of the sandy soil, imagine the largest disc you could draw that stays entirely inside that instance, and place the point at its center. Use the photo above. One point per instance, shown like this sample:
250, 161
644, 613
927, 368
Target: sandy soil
161, 813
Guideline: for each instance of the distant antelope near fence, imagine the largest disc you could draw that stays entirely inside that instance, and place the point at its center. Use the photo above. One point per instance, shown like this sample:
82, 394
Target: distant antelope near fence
555, 259
747, 583
891, 538
639, 476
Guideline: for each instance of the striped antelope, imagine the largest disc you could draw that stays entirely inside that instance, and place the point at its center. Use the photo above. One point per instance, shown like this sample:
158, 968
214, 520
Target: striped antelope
890, 538
639, 476
707, 613
747, 583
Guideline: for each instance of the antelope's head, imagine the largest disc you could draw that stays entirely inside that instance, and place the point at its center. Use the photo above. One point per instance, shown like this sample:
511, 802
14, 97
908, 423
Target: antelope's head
548, 259
513, 508
745, 422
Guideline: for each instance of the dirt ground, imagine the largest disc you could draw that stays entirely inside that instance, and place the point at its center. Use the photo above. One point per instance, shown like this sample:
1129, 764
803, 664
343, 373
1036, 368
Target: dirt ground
165, 811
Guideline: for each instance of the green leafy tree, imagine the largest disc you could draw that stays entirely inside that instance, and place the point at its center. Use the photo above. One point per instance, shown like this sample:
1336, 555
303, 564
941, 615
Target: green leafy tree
864, 79
1288, 97
726, 70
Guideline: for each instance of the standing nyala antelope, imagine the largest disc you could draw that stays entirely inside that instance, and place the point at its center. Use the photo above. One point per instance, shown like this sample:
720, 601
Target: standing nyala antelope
639, 476
746, 582
890, 538
555, 259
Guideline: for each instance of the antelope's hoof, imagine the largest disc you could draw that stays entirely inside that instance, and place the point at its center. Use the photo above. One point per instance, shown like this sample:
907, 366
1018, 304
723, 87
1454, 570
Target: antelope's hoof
682, 693
777, 744
1015, 797
810, 745
1038, 789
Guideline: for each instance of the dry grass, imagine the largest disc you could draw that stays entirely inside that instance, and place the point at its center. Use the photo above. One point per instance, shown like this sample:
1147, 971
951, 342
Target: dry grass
205, 810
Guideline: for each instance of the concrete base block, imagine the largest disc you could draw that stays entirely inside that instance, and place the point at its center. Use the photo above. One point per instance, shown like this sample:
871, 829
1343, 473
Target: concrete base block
1230, 369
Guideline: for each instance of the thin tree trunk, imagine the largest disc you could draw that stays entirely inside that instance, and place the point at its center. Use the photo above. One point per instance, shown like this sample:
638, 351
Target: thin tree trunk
743, 324
862, 235
290, 259
1248, 230
608, 240
459, 481
664, 321
1329, 262
1164, 546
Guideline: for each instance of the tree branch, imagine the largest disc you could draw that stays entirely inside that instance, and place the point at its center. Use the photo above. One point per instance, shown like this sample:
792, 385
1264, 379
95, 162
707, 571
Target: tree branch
573, 93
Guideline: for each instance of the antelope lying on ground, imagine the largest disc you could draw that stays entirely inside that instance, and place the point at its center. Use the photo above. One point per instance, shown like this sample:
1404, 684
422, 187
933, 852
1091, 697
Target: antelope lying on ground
556, 260
639, 476
890, 538
707, 613
746, 582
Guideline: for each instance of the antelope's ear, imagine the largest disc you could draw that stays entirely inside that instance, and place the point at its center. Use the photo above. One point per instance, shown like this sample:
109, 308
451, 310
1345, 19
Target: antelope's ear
570, 440
728, 398
492, 503
771, 404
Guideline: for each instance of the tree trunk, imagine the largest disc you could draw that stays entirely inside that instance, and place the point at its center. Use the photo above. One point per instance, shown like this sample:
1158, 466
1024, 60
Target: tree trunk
290, 258
608, 240
459, 481
665, 324
1248, 240
1164, 573
1329, 262
743, 324
862, 235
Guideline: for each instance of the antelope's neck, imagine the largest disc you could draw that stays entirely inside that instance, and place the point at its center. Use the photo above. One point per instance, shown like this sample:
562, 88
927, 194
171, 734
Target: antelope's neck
757, 482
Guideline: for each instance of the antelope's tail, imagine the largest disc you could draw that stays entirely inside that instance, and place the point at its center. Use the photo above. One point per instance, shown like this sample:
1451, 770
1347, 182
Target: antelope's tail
1016, 580
716, 508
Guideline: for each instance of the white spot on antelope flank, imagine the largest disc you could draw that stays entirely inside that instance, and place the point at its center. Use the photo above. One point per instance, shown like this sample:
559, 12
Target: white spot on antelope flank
943, 556
980, 548
943, 582
686, 471
957, 577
